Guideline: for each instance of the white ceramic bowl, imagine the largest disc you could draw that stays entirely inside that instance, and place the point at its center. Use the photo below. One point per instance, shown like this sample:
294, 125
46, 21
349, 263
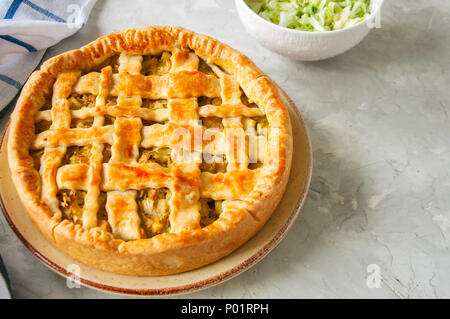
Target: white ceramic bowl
305, 45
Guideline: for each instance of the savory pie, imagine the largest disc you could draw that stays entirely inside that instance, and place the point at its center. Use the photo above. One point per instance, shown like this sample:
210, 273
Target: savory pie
151, 151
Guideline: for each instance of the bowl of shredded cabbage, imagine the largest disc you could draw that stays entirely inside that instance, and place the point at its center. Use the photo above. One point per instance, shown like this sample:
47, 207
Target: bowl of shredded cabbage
309, 30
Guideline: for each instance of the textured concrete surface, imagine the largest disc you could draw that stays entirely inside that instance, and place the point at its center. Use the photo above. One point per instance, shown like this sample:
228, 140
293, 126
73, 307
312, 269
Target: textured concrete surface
378, 116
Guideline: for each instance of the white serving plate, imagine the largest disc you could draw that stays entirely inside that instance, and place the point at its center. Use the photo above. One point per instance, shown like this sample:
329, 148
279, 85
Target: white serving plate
228, 267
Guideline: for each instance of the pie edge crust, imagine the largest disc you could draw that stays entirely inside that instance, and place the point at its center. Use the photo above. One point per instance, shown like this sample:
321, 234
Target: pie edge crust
167, 253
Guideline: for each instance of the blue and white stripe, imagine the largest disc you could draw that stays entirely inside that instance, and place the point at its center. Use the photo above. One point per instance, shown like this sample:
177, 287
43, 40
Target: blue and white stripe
27, 29
15, 6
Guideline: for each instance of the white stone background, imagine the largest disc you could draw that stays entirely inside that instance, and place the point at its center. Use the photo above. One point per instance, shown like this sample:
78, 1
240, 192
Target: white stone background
380, 129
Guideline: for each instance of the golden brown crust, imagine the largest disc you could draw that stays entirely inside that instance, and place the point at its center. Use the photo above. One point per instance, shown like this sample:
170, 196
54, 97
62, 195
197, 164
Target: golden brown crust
190, 247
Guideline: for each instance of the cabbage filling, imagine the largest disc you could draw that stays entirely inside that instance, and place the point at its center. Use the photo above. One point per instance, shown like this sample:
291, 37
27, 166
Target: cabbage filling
82, 123
154, 104
246, 101
212, 122
106, 153
154, 210
313, 15
255, 165
78, 101
109, 120
42, 126
262, 125
71, 204
156, 65
204, 100
213, 164
162, 156
46, 106
102, 215
37, 156
210, 211
77, 155
112, 61
205, 68
111, 101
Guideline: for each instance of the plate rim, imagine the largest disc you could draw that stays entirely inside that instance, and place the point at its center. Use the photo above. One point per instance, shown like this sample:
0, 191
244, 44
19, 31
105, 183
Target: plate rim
198, 285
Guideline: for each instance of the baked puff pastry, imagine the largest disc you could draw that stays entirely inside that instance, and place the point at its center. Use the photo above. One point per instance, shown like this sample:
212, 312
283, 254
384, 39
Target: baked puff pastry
150, 152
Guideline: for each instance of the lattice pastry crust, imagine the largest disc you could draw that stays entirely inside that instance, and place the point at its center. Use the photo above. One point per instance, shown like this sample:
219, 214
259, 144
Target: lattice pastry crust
149, 152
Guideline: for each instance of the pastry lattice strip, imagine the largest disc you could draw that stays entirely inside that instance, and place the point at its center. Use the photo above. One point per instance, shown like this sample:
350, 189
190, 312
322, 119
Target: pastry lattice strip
163, 87
91, 206
52, 157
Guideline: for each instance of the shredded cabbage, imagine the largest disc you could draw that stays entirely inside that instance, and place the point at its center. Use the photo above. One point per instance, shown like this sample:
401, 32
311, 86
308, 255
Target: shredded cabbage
312, 15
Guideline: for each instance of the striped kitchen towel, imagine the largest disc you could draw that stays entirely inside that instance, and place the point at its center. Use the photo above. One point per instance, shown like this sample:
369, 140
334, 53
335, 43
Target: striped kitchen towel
27, 29
5, 285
